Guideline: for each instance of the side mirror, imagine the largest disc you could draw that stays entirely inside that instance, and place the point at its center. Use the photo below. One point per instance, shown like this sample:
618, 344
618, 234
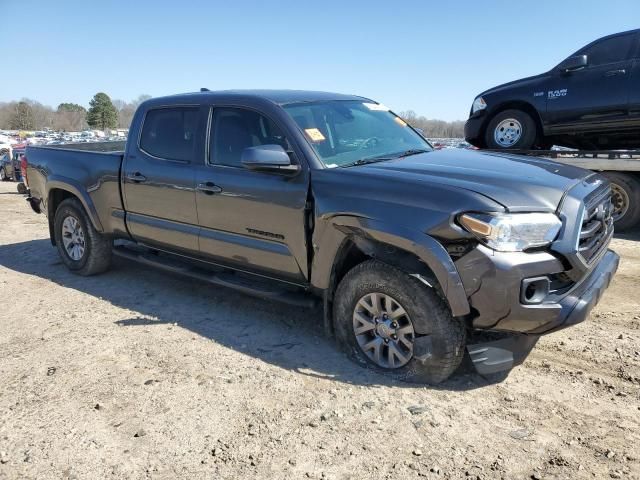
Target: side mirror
572, 64
268, 158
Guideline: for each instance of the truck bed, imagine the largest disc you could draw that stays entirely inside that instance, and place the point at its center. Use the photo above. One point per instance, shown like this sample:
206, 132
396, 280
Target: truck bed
90, 171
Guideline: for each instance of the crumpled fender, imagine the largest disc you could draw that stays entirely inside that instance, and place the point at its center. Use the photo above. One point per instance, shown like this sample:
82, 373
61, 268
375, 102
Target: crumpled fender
427, 249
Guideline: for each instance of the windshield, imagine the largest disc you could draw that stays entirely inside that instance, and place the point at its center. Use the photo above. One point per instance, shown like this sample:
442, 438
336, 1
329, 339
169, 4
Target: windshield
351, 132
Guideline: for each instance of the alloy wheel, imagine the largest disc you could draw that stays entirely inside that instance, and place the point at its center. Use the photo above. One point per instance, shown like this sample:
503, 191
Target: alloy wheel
73, 238
383, 330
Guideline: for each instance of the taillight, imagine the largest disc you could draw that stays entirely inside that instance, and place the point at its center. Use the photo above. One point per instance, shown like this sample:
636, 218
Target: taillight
23, 169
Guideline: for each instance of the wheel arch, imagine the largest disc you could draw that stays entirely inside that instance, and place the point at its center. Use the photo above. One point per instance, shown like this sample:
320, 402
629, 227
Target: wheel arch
351, 243
57, 192
522, 105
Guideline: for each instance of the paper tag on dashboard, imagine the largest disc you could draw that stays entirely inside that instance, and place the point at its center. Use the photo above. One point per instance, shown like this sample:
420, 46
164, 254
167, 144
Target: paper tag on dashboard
314, 134
376, 107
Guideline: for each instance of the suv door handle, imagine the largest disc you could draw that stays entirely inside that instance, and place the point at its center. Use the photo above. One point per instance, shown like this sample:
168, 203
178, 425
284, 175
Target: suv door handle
209, 188
136, 177
611, 73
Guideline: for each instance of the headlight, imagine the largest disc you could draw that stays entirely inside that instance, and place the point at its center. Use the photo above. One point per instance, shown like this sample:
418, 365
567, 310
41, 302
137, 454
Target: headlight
512, 232
478, 104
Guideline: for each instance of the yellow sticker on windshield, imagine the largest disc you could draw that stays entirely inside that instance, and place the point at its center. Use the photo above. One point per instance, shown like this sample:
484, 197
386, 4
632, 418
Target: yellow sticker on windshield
314, 134
400, 121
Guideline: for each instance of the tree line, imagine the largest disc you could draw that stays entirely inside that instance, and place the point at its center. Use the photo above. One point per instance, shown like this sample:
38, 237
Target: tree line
103, 114
434, 128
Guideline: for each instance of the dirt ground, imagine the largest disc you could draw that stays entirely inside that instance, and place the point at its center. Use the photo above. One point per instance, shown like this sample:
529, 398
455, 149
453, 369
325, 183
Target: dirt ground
140, 374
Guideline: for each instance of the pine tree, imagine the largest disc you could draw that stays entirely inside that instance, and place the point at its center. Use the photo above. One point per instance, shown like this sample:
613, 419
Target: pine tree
102, 114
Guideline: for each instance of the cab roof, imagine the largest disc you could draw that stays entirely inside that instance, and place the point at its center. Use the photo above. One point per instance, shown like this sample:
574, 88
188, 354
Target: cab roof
280, 97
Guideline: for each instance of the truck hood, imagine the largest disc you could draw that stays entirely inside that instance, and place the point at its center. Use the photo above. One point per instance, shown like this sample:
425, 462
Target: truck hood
521, 82
517, 182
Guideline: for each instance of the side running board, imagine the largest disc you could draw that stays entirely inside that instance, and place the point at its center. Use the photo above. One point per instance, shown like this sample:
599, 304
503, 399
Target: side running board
256, 288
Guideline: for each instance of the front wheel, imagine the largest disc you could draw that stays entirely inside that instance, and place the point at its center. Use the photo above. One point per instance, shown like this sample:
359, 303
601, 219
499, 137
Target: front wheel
391, 321
82, 249
511, 130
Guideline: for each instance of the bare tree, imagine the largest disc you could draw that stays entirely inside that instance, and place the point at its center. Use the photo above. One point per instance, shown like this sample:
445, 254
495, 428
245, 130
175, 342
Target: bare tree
434, 128
22, 117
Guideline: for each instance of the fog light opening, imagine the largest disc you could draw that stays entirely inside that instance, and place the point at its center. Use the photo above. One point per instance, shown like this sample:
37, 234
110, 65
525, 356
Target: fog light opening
534, 290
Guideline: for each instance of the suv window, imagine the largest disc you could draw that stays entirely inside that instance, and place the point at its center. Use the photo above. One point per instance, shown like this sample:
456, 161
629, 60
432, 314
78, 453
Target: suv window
170, 133
235, 129
610, 50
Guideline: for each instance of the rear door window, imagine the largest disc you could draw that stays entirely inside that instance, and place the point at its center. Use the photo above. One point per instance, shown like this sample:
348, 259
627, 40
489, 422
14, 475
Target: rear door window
170, 133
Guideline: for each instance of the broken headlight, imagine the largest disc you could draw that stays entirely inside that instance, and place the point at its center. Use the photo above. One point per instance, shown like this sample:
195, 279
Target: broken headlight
512, 232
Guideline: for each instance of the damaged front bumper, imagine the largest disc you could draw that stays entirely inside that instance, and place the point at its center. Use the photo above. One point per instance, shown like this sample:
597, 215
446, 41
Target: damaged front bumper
495, 281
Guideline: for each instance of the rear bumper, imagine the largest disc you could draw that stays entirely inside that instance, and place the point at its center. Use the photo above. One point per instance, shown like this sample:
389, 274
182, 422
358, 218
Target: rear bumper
34, 203
493, 282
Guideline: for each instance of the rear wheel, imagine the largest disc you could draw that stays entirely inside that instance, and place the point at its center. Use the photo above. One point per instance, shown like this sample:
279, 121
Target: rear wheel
511, 130
626, 200
392, 322
82, 249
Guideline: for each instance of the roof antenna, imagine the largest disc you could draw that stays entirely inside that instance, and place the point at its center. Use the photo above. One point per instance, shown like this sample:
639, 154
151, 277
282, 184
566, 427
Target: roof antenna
204, 89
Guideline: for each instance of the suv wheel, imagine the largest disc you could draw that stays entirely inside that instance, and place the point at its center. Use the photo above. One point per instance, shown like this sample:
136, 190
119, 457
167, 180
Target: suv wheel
82, 249
511, 129
392, 322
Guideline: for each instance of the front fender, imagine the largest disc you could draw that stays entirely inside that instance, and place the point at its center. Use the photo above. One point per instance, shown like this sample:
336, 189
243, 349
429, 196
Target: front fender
426, 248
78, 190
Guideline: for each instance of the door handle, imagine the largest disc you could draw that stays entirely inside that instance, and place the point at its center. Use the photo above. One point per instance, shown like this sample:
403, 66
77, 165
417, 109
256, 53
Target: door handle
612, 73
209, 188
136, 177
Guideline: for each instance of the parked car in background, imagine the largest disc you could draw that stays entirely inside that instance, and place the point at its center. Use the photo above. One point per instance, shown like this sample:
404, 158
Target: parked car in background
588, 101
10, 165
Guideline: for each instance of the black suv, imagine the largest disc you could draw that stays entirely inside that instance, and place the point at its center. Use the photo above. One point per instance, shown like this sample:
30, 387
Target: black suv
589, 101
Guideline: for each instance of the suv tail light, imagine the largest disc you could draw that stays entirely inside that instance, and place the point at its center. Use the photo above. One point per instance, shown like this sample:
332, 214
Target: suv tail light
23, 169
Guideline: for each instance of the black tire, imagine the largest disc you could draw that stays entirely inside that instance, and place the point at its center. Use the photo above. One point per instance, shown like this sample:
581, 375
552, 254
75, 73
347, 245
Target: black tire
440, 336
528, 131
97, 248
3, 175
22, 189
629, 187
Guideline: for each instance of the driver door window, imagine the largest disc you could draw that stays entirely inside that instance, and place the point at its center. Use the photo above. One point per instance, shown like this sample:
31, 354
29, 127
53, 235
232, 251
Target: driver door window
610, 50
235, 129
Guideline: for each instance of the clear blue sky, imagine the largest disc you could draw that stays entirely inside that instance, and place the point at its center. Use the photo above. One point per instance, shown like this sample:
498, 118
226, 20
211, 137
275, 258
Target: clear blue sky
431, 57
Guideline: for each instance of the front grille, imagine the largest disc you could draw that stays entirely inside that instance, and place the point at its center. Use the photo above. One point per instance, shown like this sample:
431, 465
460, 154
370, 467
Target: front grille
596, 229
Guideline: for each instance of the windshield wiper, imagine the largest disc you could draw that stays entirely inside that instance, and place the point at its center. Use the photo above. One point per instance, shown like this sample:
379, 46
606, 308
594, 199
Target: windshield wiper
365, 161
413, 151
384, 158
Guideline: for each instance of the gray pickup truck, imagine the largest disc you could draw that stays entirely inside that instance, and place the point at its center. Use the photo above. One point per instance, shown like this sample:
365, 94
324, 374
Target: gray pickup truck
332, 201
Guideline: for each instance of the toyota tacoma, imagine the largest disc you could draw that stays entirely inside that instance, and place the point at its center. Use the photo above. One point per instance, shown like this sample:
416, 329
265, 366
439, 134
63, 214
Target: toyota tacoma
334, 202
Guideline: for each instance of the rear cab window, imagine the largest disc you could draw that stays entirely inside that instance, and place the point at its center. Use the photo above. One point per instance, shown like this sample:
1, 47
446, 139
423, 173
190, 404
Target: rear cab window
171, 133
